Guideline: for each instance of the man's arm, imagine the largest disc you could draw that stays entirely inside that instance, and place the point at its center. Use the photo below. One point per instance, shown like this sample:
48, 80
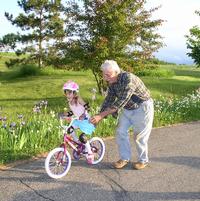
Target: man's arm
125, 95
95, 119
110, 98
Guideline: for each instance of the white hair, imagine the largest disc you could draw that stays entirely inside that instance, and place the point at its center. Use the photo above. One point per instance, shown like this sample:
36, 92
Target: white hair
110, 64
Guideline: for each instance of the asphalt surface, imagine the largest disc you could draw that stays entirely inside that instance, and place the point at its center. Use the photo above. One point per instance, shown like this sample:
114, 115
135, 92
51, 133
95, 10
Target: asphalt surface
173, 175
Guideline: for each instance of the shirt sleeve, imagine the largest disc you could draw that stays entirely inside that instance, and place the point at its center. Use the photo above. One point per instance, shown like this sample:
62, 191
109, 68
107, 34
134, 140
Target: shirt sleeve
127, 90
110, 98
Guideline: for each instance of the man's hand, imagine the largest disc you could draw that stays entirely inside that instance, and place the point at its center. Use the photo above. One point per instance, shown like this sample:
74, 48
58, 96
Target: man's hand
96, 119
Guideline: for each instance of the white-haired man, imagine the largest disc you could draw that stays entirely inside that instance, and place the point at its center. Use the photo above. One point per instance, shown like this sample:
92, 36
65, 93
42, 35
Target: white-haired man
126, 92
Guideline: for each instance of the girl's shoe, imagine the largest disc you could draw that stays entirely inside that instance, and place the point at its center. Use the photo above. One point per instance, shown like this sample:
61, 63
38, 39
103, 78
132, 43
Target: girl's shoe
90, 158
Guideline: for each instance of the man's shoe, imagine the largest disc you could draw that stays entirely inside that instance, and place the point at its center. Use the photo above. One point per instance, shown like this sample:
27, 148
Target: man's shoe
139, 165
120, 164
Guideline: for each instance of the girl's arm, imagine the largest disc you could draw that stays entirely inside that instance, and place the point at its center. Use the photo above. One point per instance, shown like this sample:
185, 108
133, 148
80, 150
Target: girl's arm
69, 113
81, 101
85, 105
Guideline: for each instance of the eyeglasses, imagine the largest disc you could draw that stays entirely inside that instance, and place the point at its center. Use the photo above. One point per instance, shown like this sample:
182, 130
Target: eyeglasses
108, 74
67, 91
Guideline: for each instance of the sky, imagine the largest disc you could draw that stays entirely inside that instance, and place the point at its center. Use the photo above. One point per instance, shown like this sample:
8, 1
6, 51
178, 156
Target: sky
178, 15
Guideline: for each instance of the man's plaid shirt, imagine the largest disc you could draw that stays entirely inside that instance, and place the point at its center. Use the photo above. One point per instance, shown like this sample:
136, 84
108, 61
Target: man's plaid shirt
128, 92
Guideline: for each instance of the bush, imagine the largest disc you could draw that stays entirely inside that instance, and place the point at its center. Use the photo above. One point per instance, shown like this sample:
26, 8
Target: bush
28, 70
24, 70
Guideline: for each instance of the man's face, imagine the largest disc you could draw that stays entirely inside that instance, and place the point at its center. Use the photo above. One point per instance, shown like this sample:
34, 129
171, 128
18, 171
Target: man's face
110, 76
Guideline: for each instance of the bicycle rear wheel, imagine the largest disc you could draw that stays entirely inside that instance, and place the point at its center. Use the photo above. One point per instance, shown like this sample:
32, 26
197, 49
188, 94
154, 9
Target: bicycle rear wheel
98, 149
57, 164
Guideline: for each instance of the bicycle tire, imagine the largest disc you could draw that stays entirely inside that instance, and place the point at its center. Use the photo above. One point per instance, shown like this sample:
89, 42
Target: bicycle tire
98, 149
57, 164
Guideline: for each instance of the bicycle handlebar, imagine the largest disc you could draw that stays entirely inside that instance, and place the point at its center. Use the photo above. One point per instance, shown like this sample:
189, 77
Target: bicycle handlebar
71, 122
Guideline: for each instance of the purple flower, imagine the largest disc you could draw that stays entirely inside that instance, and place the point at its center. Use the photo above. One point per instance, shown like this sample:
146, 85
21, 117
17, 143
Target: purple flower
12, 125
45, 103
4, 118
94, 90
22, 123
12, 131
38, 106
4, 126
36, 109
20, 116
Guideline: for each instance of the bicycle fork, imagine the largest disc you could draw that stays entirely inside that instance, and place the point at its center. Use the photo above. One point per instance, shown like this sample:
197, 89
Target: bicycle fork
68, 141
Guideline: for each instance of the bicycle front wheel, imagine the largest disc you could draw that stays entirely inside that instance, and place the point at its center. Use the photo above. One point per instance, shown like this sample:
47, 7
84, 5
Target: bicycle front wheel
57, 164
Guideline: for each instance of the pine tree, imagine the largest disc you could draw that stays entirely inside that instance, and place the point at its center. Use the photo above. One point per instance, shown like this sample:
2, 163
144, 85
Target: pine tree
42, 28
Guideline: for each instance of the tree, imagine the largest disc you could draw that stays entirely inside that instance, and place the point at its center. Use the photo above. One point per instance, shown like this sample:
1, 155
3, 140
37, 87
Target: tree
111, 29
42, 26
193, 43
9, 41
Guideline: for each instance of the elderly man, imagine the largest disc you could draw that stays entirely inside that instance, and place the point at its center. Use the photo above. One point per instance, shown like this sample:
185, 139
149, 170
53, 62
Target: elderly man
127, 94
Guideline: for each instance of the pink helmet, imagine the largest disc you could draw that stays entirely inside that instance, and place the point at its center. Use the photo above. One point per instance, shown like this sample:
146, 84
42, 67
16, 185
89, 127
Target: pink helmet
70, 85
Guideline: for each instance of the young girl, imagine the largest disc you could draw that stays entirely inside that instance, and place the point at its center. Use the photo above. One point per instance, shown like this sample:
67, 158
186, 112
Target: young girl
80, 110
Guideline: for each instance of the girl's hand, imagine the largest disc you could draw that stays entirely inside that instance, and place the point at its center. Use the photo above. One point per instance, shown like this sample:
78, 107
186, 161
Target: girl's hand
82, 117
68, 119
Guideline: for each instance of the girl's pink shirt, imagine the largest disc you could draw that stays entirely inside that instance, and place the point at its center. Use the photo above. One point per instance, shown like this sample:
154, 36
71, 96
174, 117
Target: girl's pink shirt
78, 109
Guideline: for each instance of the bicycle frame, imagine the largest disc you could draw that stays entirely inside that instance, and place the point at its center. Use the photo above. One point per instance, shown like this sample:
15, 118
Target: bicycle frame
67, 140
70, 142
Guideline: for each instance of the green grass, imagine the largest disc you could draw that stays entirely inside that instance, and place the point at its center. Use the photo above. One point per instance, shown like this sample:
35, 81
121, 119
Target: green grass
186, 79
19, 94
172, 87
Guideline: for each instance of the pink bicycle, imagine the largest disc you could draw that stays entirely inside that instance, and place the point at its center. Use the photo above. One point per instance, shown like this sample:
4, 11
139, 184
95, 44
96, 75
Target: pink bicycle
58, 161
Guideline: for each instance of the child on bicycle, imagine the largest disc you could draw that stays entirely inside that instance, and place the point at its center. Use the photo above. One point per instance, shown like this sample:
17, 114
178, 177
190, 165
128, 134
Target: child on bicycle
80, 110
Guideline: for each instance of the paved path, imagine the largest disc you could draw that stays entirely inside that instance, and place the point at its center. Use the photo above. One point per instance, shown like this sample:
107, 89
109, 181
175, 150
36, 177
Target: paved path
174, 174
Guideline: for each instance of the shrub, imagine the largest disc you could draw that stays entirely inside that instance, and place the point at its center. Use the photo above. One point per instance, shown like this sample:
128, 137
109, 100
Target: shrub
28, 70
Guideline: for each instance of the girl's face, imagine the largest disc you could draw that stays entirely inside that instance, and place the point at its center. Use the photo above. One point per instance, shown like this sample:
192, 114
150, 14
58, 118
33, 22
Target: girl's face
69, 94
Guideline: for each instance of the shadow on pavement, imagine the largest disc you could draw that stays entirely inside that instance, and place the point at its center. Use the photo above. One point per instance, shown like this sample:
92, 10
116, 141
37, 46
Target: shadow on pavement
75, 191
193, 162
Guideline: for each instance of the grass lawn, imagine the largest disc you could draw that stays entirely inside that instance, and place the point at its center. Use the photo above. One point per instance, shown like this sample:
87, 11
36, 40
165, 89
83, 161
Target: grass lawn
18, 95
38, 133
